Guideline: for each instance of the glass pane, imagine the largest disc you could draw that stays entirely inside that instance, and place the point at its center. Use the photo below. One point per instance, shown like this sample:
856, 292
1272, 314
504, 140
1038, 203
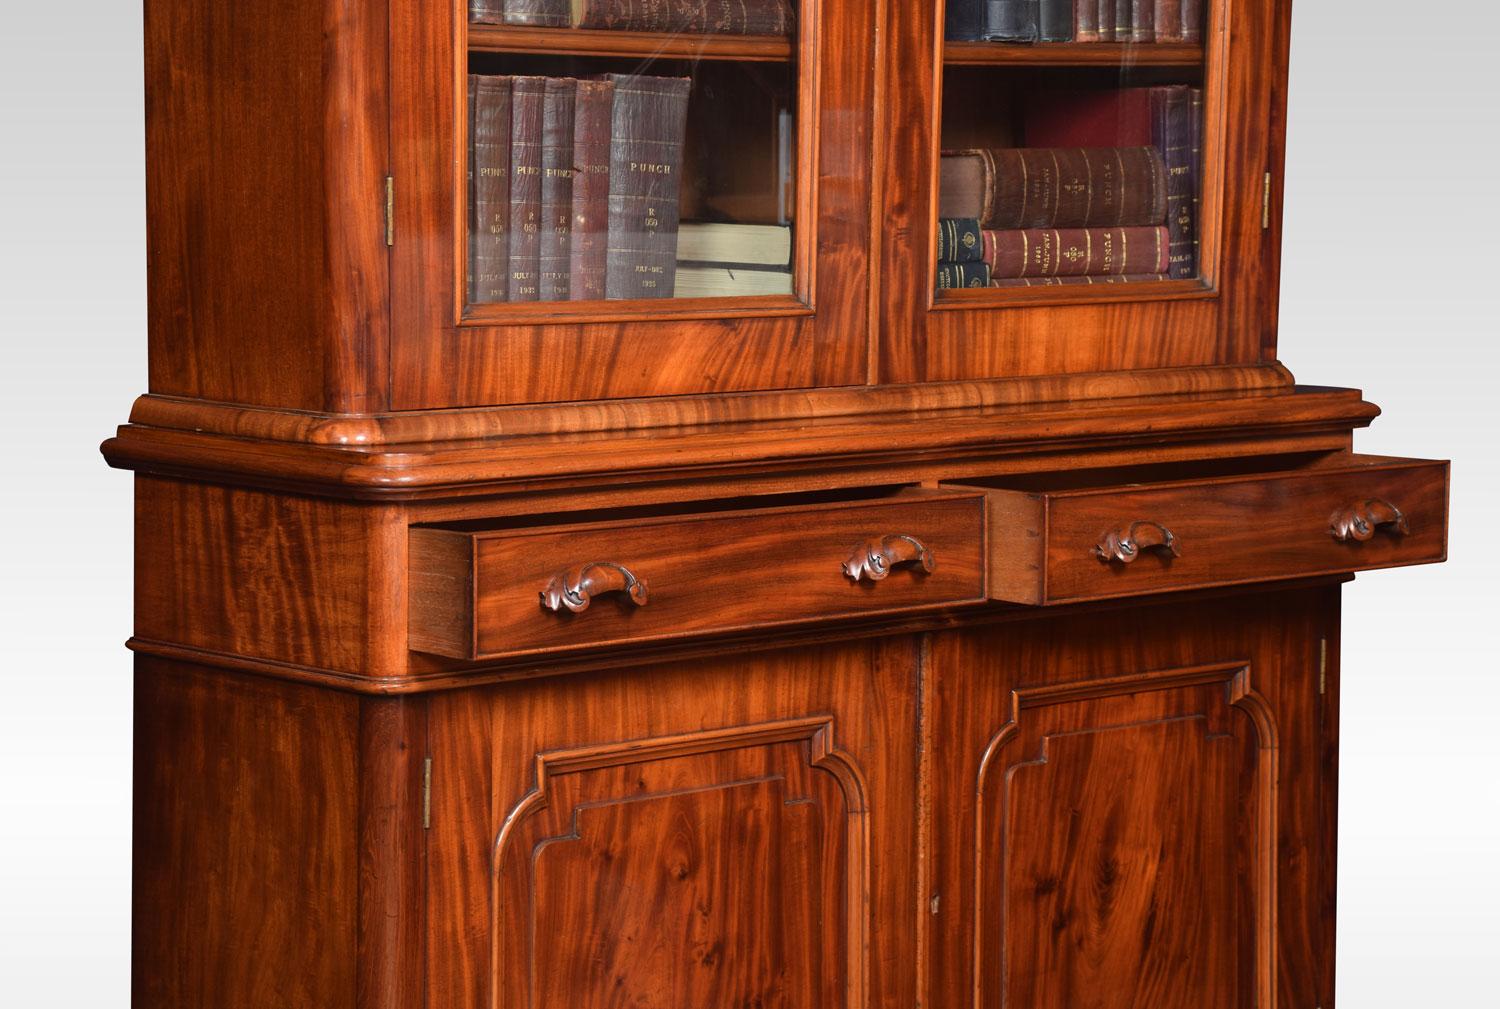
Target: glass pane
1071, 143
625, 151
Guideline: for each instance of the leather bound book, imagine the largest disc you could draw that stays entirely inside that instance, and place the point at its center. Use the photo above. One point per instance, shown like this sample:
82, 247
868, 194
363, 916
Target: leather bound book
1076, 252
1172, 133
1101, 117
1197, 121
959, 240
951, 275
1129, 278
1055, 20
964, 20
593, 110
1192, 20
1123, 18
555, 256
1085, 21
489, 187
1142, 20
538, 13
527, 98
645, 176
1011, 21
1106, 18
1168, 18
1063, 187
487, 12
726, 17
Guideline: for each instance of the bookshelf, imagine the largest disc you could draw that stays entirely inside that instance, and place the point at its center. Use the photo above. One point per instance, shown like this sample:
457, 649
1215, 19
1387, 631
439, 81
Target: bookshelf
476, 637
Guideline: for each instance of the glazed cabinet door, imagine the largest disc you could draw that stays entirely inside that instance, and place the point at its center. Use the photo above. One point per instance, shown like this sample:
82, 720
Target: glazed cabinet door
1079, 189
714, 833
1128, 809
605, 200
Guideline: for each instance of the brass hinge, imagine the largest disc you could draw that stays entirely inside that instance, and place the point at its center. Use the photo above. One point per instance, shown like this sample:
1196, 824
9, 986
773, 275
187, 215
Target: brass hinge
427, 794
1322, 665
390, 211
1265, 204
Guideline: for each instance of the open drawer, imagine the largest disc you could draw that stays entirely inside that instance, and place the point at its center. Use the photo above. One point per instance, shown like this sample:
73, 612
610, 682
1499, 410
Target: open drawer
1071, 537
487, 593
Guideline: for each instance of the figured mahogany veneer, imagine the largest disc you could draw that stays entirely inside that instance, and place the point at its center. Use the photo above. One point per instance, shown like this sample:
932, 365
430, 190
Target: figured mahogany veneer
1100, 542
484, 594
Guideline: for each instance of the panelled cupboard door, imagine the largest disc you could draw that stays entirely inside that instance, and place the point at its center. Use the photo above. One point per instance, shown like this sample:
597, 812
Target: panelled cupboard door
714, 833
1113, 197
1126, 809
604, 205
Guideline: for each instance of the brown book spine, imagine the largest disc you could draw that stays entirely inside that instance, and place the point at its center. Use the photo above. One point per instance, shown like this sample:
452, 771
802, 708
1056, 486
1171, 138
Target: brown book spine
1072, 187
1076, 252
1129, 278
1168, 20
592, 111
1143, 20
487, 12
555, 255
1085, 21
1192, 20
538, 13
489, 187
1123, 14
527, 97
645, 176
729, 17
1105, 15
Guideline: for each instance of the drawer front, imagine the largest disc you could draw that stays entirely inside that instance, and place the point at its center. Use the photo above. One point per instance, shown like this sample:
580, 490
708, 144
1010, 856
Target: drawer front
1109, 542
660, 578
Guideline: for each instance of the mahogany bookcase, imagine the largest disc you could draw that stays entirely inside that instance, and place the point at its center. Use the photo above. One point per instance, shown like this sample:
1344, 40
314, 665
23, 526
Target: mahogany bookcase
867, 645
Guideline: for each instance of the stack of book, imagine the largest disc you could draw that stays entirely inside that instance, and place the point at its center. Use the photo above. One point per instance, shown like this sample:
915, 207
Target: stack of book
707, 17
733, 260
1075, 20
1071, 210
574, 186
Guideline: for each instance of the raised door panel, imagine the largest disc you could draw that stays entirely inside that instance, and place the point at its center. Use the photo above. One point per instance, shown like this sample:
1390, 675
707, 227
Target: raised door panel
678, 836
1127, 809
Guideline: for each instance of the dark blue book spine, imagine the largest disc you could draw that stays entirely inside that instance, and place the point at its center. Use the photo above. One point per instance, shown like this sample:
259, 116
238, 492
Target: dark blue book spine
959, 240
1055, 20
951, 275
965, 20
1011, 20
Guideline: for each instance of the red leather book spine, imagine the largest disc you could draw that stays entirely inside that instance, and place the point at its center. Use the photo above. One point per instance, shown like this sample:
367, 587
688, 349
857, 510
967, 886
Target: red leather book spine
555, 256
1076, 252
1168, 20
645, 175
489, 187
727, 17
538, 13
527, 96
1075, 187
1142, 20
592, 111
1128, 278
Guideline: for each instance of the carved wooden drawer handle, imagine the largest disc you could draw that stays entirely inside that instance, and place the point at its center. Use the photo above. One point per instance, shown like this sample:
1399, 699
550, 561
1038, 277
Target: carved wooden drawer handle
577, 587
876, 558
1361, 521
1125, 545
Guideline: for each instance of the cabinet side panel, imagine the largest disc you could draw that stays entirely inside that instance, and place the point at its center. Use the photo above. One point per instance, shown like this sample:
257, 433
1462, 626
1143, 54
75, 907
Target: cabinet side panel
263, 119
246, 804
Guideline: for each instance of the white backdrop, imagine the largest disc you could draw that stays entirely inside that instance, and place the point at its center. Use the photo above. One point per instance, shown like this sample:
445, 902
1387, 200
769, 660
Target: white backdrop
1390, 285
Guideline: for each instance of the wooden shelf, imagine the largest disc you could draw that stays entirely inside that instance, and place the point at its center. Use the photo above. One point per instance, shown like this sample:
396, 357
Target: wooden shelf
1072, 54
640, 45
